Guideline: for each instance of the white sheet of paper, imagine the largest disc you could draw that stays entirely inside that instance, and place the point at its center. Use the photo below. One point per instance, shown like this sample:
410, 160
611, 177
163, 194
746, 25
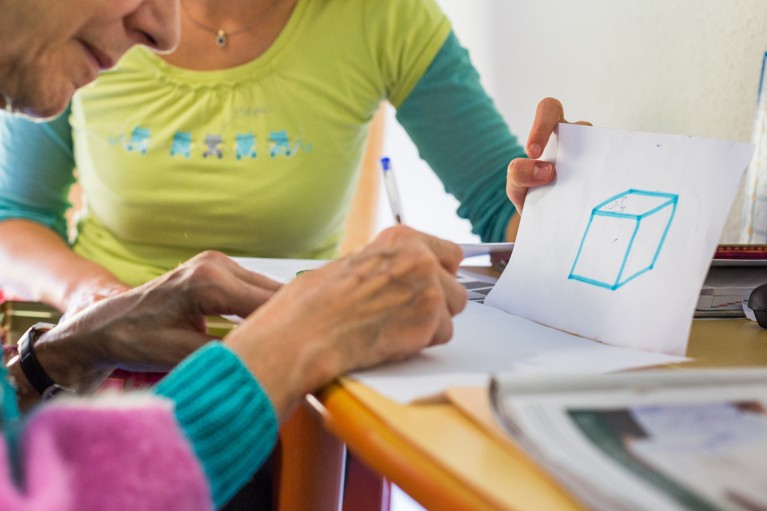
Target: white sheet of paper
618, 248
281, 270
487, 341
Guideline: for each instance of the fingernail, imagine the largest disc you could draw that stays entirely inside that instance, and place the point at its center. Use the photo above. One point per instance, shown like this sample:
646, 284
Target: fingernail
534, 150
542, 171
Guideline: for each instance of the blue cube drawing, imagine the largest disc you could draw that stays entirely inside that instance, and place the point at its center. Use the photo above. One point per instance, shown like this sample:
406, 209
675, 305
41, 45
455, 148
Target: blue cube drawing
623, 238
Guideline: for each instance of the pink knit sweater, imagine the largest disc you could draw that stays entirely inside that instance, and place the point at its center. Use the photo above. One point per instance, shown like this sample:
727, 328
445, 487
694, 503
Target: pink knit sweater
108, 454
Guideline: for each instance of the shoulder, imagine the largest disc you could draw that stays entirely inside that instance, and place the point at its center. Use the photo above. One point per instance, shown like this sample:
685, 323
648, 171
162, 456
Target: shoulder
376, 13
403, 12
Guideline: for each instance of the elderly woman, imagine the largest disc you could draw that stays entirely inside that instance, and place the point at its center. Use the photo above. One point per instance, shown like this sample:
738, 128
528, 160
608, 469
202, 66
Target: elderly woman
195, 438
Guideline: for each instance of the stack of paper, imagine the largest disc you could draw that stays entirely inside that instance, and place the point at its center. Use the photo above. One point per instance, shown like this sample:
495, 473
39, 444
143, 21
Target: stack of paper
648, 440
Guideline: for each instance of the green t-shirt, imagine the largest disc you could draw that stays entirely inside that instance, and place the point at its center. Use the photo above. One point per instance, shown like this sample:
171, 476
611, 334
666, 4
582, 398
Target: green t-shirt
262, 159
259, 160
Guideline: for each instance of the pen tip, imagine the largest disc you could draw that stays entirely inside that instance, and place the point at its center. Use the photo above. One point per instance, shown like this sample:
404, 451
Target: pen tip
385, 163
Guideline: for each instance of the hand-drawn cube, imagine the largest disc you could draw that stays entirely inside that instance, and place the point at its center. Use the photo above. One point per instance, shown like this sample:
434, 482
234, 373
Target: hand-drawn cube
623, 238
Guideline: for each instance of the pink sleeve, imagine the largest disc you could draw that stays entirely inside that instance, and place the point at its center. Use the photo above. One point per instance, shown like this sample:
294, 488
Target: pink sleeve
105, 454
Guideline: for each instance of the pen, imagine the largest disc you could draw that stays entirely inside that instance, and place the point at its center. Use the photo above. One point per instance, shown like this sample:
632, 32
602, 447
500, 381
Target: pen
391, 189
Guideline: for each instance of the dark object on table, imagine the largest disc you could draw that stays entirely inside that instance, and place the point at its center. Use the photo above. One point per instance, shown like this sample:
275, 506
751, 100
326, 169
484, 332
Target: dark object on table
757, 302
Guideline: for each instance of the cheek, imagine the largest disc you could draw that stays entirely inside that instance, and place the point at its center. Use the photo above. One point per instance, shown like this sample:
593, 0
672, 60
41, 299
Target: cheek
50, 83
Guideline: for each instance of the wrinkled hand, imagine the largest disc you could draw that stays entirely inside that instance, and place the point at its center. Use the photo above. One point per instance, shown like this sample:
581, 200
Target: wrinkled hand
524, 173
154, 326
90, 293
386, 302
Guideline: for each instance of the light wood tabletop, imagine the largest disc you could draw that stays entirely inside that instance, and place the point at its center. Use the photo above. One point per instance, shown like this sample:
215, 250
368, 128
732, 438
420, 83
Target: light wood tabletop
446, 458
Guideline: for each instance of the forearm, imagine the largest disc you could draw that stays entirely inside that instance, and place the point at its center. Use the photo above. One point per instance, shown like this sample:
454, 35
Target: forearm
225, 414
38, 265
459, 132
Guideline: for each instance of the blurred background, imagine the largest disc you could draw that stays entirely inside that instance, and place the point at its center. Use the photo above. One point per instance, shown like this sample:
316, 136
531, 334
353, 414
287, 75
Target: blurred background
689, 67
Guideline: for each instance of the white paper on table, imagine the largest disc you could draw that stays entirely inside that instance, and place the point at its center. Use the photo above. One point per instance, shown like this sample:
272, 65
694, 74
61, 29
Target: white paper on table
679, 191
281, 270
487, 340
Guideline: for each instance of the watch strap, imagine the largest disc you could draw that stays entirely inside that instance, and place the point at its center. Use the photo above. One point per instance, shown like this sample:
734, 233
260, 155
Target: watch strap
30, 365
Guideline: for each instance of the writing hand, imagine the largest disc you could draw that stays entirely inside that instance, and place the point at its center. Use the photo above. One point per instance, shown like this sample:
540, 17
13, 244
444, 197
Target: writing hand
388, 301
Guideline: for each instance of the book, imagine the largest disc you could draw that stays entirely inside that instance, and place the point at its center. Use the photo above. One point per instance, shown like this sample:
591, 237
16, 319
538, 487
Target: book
657, 440
734, 272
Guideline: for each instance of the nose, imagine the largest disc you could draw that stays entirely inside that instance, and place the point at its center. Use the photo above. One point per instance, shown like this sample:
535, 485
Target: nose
155, 23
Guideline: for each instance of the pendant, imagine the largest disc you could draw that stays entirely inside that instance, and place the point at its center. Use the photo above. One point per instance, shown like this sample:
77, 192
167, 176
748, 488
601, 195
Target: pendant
221, 38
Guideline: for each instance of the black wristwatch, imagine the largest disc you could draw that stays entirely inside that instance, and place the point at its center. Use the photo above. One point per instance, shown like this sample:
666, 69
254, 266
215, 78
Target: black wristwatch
30, 366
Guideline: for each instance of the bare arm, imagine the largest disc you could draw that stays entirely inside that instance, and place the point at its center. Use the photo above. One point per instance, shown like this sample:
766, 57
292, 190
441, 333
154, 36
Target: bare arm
38, 265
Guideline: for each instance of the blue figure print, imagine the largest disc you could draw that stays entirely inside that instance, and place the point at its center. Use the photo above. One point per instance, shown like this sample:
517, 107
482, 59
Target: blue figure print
245, 145
139, 140
279, 143
213, 144
624, 238
181, 144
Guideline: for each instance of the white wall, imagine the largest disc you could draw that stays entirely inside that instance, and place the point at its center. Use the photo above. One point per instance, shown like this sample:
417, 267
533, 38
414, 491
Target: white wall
426, 205
676, 66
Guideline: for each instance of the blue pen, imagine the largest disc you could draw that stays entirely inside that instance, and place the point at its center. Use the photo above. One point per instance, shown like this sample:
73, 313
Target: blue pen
391, 189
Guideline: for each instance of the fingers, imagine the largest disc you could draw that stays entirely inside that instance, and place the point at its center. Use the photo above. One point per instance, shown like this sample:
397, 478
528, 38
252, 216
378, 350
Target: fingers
433, 295
455, 294
448, 257
221, 286
549, 113
254, 279
447, 253
522, 174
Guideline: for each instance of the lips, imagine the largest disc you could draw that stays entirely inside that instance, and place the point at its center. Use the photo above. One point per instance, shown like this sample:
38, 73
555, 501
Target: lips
102, 60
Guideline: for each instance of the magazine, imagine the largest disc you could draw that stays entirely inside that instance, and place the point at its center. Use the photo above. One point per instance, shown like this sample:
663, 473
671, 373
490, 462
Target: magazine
651, 440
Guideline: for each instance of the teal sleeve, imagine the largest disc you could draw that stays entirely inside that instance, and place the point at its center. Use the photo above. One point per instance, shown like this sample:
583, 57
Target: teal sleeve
36, 170
225, 414
461, 135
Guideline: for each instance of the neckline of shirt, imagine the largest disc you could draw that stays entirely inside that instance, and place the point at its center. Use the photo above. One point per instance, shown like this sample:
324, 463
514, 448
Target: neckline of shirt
263, 63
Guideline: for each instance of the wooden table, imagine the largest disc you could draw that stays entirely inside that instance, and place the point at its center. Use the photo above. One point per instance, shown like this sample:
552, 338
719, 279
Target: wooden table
446, 460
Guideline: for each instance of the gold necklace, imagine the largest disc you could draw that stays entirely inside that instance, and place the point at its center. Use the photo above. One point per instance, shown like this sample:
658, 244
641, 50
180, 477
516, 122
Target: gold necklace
222, 36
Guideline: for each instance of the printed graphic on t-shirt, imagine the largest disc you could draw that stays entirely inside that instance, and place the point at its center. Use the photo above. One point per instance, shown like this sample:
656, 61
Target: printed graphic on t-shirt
214, 145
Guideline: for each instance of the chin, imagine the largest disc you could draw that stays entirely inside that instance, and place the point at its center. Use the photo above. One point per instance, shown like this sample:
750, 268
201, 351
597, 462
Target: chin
44, 106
